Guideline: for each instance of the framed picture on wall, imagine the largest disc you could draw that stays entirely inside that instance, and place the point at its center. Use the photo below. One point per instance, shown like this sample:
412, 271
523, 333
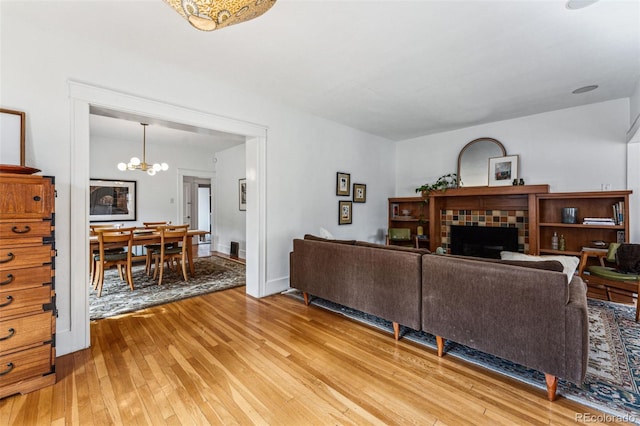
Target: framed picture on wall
242, 194
503, 170
112, 200
345, 212
12, 125
359, 193
343, 184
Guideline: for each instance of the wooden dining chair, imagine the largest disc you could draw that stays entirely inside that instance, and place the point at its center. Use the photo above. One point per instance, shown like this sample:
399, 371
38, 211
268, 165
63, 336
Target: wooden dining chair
150, 248
177, 236
93, 253
118, 237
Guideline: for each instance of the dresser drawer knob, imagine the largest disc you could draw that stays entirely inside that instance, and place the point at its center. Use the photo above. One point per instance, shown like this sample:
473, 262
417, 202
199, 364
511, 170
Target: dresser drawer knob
7, 370
9, 258
11, 331
37, 198
9, 280
10, 301
26, 229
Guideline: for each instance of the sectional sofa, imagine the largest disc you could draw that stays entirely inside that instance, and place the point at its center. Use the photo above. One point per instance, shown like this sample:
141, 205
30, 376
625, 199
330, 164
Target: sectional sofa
530, 313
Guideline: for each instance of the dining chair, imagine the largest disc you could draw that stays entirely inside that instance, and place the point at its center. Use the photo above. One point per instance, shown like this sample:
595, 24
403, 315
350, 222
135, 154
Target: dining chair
93, 253
177, 236
119, 237
150, 248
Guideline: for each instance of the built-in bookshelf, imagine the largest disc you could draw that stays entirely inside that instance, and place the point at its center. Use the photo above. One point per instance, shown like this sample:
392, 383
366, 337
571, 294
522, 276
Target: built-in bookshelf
601, 217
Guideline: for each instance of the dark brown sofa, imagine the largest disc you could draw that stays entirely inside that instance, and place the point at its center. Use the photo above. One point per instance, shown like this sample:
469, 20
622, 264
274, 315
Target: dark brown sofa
381, 280
525, 312
532, 317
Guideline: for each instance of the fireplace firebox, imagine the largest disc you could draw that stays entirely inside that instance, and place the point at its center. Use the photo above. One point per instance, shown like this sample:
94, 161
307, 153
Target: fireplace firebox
482, 241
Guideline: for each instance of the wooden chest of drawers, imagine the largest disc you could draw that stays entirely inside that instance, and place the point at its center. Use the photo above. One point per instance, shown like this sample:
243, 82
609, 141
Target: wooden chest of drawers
27, 283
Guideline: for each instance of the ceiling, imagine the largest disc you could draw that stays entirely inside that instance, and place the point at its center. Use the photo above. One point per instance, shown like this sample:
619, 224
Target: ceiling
397, 69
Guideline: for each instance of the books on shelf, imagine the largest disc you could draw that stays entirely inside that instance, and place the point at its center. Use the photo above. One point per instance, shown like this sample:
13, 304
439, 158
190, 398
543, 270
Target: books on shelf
618, 212
598, 221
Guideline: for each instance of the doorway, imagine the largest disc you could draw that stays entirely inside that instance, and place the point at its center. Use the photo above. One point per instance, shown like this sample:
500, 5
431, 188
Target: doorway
73, 333
196, 205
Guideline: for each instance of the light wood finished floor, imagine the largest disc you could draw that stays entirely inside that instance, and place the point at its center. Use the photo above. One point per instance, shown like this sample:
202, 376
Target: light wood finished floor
227, 358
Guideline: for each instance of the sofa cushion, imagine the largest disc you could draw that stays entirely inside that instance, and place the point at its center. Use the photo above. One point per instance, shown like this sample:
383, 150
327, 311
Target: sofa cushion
569, 263
547, 265
314, 238
392, 247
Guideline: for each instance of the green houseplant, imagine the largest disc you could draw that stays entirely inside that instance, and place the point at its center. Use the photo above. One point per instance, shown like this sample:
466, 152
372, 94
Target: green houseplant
444, 182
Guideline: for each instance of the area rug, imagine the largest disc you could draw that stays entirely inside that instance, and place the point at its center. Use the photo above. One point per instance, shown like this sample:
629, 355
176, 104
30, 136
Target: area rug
613, 374
212, 274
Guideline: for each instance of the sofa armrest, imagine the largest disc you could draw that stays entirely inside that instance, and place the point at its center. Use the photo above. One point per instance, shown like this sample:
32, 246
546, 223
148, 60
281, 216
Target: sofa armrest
577, 331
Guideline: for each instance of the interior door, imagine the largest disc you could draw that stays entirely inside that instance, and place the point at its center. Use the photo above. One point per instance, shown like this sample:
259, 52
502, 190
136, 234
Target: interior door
187, 199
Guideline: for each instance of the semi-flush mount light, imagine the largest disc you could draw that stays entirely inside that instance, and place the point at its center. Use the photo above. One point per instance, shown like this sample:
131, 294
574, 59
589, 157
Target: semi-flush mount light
135, 163
579, 4
208, 15
585, 89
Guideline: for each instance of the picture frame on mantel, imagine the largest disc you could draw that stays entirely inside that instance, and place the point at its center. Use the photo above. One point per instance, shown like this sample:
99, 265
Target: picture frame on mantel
503, 170
345, 213
343, 184
12, 136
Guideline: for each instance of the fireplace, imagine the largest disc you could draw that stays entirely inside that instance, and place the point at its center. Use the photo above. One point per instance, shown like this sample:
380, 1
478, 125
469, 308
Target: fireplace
482, 241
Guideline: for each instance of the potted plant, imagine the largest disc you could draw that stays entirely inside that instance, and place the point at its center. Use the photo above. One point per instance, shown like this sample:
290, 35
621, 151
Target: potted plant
444, 182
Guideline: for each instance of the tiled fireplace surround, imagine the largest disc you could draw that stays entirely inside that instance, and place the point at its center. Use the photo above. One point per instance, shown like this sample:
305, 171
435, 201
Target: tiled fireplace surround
490, 218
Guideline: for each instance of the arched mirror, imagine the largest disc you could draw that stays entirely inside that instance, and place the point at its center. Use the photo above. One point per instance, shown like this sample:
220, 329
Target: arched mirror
473, 161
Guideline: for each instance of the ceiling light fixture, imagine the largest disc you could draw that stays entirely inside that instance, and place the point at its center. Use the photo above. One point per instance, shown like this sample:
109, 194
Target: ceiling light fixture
136, 164
585, 89
210, 15
579, 4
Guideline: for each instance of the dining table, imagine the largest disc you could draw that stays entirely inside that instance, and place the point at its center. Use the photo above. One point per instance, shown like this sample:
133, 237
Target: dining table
144, 236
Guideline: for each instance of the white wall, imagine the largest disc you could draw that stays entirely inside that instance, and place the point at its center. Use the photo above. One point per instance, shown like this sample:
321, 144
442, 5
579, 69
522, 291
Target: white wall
157, 196
229, 222
303, 152
575, 149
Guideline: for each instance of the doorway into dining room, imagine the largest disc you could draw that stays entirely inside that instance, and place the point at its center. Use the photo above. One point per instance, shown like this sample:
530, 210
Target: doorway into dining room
197, 205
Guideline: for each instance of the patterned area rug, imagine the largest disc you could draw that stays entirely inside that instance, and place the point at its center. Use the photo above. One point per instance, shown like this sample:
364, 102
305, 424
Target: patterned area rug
212, 274
613, 374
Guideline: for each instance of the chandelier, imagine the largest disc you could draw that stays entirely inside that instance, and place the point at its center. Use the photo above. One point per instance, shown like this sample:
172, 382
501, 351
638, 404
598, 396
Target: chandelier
209, 15
136, 164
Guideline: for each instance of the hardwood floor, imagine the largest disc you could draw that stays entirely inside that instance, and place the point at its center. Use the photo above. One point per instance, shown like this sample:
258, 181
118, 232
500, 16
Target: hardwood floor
227, 358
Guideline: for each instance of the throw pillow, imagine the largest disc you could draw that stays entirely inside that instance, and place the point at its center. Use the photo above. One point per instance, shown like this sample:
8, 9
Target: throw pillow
569, 263
326, 234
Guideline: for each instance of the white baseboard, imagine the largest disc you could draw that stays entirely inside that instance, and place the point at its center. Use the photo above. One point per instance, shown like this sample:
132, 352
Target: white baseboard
277, 286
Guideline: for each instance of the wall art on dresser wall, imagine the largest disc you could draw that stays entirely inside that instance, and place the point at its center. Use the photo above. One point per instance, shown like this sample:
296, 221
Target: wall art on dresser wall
359, 193
12, 125
112, 200
343, 184
503, 170
345, 212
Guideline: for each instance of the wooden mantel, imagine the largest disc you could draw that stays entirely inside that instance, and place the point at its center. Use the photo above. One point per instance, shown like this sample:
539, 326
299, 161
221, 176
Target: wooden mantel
492, 191
512, 197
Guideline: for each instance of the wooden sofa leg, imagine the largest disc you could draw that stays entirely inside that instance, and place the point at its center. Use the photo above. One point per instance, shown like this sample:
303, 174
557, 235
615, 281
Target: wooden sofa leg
552, 386
306, 297
396, 331
440, 343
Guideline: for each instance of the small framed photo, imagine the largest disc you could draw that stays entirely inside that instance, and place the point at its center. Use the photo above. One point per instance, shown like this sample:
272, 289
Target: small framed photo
343, 184
242, 194
12, 125
395, 210
503, 170
112, 200
345, 213
359, 193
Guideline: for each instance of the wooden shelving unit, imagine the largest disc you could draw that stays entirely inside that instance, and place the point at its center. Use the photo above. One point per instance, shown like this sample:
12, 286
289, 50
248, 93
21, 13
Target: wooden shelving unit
418, 214
589, 204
